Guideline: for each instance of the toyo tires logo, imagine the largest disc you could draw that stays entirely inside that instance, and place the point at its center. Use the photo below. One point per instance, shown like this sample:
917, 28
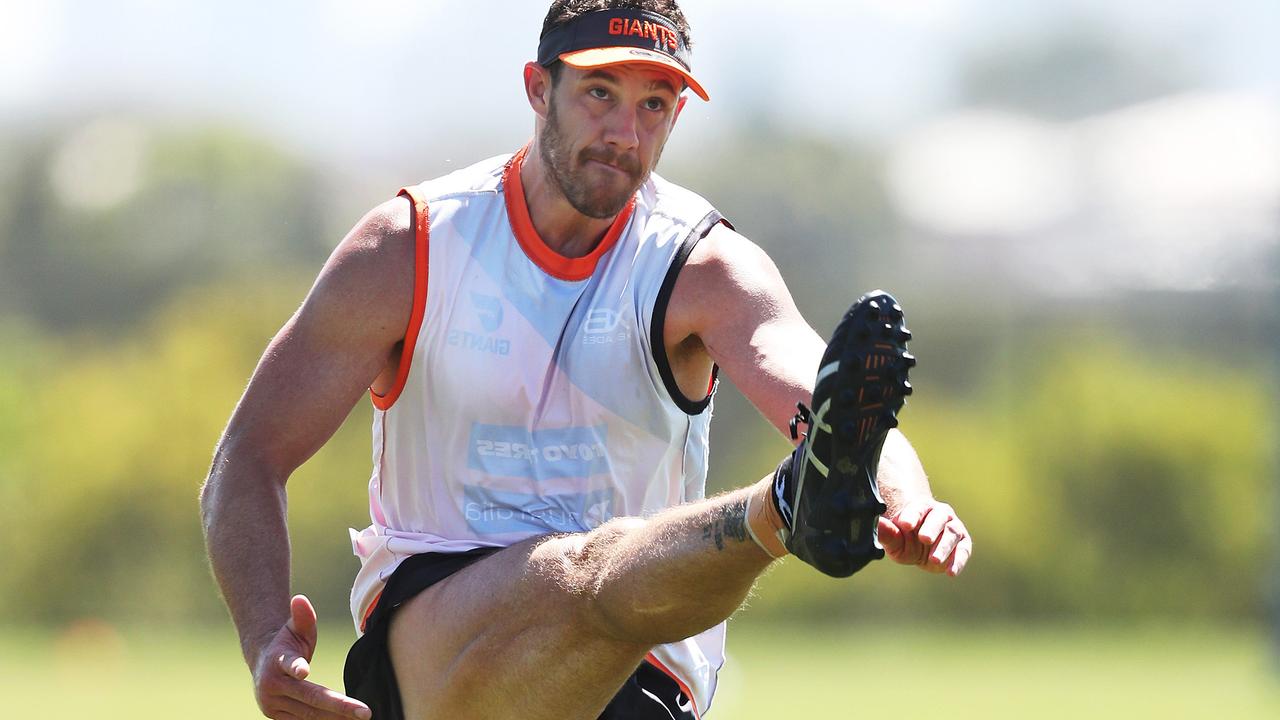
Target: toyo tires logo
508, 451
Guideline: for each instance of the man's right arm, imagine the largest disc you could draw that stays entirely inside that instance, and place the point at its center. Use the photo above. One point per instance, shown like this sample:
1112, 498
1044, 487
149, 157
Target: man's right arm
345, 338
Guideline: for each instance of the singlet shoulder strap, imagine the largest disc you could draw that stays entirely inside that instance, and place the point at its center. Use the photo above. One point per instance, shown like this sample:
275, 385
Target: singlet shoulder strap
421, 221
657, 342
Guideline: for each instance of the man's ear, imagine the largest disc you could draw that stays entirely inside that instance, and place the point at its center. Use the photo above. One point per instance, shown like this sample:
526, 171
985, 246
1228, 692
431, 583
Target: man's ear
537, 87
679, 109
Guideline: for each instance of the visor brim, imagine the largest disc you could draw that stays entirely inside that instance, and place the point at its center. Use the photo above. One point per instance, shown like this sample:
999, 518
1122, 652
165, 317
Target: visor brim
607, 56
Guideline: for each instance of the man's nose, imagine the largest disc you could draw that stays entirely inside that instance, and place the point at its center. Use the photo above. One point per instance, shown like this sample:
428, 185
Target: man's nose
622, 128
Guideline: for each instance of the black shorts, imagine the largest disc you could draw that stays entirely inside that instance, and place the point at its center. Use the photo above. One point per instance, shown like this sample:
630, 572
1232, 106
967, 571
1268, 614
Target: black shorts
649, 694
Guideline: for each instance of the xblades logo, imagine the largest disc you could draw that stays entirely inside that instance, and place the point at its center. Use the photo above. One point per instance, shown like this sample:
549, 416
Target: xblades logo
603, 326
489, 309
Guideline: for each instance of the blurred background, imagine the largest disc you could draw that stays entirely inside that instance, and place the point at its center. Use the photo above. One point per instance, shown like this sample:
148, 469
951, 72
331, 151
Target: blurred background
1077, 201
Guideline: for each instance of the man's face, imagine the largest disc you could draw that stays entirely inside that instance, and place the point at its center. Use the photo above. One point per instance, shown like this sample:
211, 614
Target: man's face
604, 132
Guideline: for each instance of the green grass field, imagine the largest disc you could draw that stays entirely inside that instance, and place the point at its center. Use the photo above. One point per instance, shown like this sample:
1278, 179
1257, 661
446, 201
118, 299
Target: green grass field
94, 671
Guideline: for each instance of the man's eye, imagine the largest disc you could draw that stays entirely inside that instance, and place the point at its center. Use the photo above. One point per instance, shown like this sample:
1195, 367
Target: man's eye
655, 104
599, 93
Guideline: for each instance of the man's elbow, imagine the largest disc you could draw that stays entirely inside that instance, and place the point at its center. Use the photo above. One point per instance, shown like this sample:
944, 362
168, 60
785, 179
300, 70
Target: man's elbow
213, 490
208, 503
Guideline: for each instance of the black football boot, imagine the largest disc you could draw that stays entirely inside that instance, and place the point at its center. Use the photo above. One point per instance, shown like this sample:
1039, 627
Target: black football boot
826, 490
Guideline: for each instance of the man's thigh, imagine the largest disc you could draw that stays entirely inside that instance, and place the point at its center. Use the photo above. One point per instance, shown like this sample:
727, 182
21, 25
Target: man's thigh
507, 637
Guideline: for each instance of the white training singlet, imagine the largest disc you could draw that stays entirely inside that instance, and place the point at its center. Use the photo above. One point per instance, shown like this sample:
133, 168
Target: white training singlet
534, 394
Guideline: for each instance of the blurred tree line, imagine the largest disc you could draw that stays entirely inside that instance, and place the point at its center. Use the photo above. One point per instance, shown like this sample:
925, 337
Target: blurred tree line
1109, 465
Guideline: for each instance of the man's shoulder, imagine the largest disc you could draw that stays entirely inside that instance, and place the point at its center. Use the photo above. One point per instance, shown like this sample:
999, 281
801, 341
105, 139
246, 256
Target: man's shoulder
387, 236
381, 243
667, 201
666, 193
481, 177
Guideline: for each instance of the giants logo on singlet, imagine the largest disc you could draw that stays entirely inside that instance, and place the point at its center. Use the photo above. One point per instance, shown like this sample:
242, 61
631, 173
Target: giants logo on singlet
489, 312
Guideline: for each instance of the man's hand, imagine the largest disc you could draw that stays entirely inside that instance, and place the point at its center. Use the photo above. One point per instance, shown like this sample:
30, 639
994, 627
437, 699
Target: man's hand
927, 534
280, 676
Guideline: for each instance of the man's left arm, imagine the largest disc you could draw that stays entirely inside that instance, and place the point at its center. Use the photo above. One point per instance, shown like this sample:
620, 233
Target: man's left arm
730, 305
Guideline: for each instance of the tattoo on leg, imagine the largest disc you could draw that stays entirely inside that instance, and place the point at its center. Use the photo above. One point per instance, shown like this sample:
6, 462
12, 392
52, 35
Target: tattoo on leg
729, 521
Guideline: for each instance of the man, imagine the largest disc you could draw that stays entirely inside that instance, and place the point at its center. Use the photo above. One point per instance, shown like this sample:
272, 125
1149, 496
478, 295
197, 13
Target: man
541, 335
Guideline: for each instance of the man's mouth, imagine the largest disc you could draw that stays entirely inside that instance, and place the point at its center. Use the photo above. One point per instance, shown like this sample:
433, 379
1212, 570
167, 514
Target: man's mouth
612, 168
619, 168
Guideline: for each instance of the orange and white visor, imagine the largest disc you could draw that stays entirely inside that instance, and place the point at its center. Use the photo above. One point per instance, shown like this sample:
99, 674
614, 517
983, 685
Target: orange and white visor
617, 37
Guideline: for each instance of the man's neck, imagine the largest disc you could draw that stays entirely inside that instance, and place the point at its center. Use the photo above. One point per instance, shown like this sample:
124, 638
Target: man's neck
561, 227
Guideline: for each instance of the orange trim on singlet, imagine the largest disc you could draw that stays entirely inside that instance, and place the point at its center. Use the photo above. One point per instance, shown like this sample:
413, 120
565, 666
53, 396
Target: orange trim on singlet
535, 248
421, 242
654, 661
372, 606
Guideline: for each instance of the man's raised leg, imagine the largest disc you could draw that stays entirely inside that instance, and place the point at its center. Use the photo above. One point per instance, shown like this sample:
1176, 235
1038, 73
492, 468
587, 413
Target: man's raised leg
552, 627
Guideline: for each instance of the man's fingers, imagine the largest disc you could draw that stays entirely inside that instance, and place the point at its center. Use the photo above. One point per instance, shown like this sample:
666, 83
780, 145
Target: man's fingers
293, 666
952, 550
283, 714
909, 519
936, 520
287, 708
302, 620
964, 549
890, 537
331, 704
961, 557
902, 548
945, 545
284, 692
929, 535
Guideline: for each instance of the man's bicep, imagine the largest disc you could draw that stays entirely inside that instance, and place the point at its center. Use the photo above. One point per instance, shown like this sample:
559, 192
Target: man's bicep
779, 370
741, 310
328, 354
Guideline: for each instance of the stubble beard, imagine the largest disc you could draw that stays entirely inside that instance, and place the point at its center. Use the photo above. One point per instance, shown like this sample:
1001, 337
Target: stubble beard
593, 200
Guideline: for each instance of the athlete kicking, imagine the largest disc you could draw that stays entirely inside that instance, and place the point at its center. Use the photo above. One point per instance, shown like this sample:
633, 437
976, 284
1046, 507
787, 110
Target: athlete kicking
541, 335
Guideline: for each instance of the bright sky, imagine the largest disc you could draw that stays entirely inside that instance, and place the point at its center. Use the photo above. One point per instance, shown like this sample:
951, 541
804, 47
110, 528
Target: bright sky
356, 77
1177, 193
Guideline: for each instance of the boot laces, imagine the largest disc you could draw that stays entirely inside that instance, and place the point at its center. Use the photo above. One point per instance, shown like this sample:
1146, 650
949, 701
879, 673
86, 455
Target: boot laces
803, 415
